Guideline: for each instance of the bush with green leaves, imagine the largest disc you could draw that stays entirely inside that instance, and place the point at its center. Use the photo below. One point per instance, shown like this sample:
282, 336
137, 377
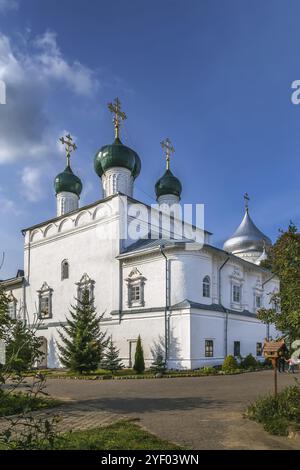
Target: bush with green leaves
249, 362
277, 413
208, 370
139, 363
159, 365
18, 393
230, 363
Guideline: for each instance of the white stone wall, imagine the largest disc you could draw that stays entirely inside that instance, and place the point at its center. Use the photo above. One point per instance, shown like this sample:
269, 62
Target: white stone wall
116, 180
66, 202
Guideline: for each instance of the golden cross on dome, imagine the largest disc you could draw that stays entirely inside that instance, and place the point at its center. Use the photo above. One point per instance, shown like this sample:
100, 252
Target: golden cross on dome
169, 149
246, 199
69, 146
119, 116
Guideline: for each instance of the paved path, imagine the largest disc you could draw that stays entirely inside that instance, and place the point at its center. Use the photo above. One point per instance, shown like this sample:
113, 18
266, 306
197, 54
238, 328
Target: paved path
198, 412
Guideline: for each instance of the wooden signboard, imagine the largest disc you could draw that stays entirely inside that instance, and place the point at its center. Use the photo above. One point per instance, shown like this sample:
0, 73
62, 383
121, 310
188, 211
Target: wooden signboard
273, 350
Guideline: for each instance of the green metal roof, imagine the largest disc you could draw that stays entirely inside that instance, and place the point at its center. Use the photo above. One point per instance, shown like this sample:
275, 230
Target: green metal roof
117, 155
168, 184
67, 181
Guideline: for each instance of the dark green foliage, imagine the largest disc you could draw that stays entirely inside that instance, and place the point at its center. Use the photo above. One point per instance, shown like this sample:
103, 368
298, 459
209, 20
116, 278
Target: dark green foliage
276, 414
4, 317
249, 361
83, 341
284, 259
111, 359
15, 403
158, 366
22, 350
230, 363
139, 363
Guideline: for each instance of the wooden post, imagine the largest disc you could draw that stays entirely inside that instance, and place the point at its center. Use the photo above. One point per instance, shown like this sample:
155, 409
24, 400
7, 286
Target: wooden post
275, 362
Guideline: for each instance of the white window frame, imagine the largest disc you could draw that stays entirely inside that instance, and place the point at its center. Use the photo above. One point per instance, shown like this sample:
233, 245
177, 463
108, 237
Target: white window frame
236, 281
206, 284
45, 293
12, 306
65, 263
135, 280
85, 283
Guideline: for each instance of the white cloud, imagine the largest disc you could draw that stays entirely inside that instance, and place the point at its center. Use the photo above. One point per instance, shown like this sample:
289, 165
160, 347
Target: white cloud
32, 183
26, 131
6, 5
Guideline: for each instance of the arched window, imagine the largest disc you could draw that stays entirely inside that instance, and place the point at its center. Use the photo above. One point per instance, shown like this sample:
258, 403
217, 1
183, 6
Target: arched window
64, 270
206, 286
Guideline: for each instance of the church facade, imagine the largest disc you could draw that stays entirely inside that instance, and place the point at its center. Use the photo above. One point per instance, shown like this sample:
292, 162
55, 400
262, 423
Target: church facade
195, 303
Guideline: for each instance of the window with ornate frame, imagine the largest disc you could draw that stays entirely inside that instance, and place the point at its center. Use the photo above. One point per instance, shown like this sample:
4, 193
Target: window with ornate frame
206, 286
45, 301
209, 348
135, 289
236, 293
85, 284
258, 295
236, 348
65, 269
259, 349
12, 306
237, 282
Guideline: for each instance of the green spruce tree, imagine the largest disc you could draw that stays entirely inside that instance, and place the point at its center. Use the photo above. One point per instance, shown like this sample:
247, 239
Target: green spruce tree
158, 366
139, 363
23, 347
111, 359
83, 341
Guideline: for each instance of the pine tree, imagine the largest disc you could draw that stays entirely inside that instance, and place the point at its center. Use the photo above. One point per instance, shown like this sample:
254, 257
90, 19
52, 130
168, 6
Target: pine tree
158, 365
139, 363
23, 347
111, 359
83, 341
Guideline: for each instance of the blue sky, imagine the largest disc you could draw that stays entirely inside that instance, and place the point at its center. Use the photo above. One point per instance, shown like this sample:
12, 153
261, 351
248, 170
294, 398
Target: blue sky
213, 75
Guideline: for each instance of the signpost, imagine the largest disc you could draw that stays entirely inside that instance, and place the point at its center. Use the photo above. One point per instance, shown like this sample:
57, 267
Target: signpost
272, 351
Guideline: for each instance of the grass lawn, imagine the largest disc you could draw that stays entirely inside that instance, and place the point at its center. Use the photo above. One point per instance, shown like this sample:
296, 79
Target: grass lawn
16, 403
123, 435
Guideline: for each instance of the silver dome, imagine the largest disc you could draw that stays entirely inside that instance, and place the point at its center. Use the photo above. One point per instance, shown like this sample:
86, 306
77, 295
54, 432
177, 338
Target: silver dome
247, 237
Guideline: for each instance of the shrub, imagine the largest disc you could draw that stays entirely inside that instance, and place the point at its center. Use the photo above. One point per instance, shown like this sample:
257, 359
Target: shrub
209, 370
139, 363
229, 363
158, 366
249, 362
276, 414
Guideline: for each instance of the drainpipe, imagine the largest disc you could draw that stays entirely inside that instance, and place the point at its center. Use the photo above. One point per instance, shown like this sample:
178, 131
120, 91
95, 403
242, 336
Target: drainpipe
220, 303
268, 324
166, 301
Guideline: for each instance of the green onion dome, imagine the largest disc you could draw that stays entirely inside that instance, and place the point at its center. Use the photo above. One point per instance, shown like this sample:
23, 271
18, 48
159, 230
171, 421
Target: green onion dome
117, 155
67, 181
168, 184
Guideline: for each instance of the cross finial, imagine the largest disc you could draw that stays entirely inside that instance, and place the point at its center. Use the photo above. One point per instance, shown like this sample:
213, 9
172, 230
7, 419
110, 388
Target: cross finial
115, 108
169, 149
69, 146
246, 199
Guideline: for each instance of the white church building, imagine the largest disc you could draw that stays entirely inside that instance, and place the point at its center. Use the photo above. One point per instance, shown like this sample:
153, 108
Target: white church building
194, 301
